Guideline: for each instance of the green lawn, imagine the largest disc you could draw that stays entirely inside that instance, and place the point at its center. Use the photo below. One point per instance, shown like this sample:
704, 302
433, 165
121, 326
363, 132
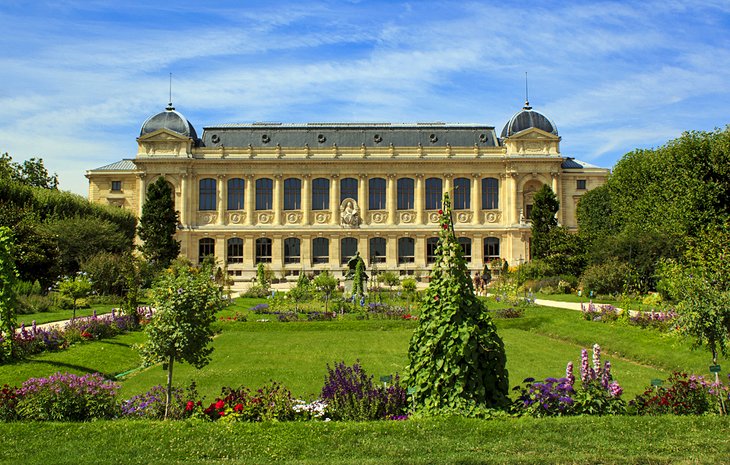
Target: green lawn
572, 440
60, 315
633, 304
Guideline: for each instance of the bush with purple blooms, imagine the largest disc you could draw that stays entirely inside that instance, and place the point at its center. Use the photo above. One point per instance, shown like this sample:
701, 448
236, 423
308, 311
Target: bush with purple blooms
67, 397
151, 405
593, 312
662, 321
683, 394
350, 394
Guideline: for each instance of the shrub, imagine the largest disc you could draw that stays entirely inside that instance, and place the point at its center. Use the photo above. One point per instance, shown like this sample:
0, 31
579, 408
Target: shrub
408, 285
273, 402
534, 270
510, 312
8, 403
611, 277
350, 394
33, 303
683, 395
593, 312
67, 397
256, 291
662, 321
27, 288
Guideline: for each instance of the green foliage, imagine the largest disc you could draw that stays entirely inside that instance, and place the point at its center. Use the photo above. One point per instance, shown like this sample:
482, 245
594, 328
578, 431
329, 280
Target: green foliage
408, 285
262, 277
158, 225
301, 292
30, 173
611, 277
358, 279
456, 358
544, 208
326, 284
8, 276
389, 278
107, 272
185, 301
75, 288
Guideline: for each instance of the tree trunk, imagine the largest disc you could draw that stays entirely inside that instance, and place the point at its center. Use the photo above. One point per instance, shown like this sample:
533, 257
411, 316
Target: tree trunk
168, 395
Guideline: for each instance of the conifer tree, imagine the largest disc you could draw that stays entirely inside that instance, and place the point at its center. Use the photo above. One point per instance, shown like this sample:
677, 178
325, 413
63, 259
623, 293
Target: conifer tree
456, 358
158, 225
543, 220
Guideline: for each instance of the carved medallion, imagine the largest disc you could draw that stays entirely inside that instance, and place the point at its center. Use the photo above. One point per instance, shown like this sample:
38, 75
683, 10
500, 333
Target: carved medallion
236, 218
322, 217
379, 217
294, 217
265, 218
407, 217
492, 217
433, 217
463, 217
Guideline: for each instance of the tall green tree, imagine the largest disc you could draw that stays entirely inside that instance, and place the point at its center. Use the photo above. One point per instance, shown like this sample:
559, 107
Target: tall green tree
185, 301
456, 358
31, 172
8, 276
158, 225
544, 208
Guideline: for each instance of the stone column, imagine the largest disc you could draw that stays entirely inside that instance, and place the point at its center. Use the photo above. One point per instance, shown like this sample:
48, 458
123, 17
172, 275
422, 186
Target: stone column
477, 251
335, 200
221, 199
420, 199
277, 253
250, 196
306, 199
420, 251
184, 199
278, 199
305, 250
249, 251
335, 254
556, 189
391, 197
363, 246
476, 208
220, 250
448, 186
512, 202
362, 197
141, 191
391, 253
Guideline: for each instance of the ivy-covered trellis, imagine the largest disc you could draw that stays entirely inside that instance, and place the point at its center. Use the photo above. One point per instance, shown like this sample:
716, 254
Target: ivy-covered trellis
456, 358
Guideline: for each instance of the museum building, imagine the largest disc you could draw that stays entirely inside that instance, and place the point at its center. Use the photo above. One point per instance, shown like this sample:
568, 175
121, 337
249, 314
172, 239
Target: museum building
307, 197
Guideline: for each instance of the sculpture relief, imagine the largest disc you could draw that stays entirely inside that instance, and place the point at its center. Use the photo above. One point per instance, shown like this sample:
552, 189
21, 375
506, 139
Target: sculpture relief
236, 218
378, 217
433, 217
407, 217
266, 218
350, 213
294, 217
322, 217
463, 217
207, 218
492, 217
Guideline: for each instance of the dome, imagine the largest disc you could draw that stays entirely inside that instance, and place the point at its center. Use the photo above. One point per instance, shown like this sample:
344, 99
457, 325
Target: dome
170, 120
528, 118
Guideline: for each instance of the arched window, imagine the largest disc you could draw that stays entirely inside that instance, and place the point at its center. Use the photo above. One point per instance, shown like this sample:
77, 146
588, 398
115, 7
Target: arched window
376, 188
405, 194
465, 243
264, 194
292, 194
321, 194
320, 250
431, 245
235, 250
406, 247
206, 247
348, 248
348, 189
236, 190
490, 193
377, 250
263, 250
207, 194
291, 250
491, 249
462, 194
434, 193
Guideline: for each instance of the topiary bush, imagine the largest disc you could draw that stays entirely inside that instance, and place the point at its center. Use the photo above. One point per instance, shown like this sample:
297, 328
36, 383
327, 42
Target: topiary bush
456, 358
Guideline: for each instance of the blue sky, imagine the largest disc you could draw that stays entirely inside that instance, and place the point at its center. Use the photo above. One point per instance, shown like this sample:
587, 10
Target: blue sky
78, 77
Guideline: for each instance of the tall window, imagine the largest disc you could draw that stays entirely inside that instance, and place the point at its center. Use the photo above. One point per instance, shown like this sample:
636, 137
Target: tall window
263, 250
206, 247
405, 194
235, 250
321, 194
490, 194
291, 250
434, 193
320, 250
491, 249
264, 194
377, 250
406, 248
348, 189
292, 194
207, 194
348, 248
431, 244
462, 194
465, 243
236, 189
376, 187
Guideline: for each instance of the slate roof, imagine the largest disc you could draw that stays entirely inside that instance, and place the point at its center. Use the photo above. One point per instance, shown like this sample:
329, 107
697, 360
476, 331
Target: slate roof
349, 135
121, 165
528, 118
169, 119
573, 164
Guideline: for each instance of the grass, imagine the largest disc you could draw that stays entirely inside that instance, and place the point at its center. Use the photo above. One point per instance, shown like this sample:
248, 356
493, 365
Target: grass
60, 315
576, 440
633, 304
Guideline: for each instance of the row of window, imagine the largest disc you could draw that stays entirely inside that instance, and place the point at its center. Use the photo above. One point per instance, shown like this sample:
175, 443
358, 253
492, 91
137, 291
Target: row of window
405, 193
348, 248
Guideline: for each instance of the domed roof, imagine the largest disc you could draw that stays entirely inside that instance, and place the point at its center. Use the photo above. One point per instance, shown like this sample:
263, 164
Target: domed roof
171, 120
528, 118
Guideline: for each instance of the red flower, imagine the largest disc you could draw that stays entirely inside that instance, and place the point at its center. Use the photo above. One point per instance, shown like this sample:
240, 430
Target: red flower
238, 407
223, 414
86, 335
445, 226
220, 404
189, 405
436, 298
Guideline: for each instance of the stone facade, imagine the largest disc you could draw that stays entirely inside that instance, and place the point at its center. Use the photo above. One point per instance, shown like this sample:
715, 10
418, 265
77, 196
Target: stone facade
306, 197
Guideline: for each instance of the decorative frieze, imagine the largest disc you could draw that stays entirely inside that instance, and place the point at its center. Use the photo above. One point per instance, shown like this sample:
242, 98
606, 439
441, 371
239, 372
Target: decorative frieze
378, 217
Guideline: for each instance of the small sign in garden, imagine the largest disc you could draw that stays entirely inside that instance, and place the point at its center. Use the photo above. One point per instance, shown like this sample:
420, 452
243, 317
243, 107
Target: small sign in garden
714, 368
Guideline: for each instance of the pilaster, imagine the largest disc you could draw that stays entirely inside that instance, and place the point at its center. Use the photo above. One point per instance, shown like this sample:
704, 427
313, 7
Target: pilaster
277, 200
391, 198
221, 198
335, 200
306, 199
475, 199
420, 197
250, 199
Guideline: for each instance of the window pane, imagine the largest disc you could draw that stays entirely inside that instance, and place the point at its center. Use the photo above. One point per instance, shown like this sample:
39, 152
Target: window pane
431, 245
406, 250
377, 250
465, 243
291, 250
405, 194
434, 193
264, 194
462, 194
348, 189
377, 194
491, 249
235, 250
490, 193
292, 194
206, 246
207, 194
116, 185
348, 248
321, 194
236, 189
263, 250
320, 250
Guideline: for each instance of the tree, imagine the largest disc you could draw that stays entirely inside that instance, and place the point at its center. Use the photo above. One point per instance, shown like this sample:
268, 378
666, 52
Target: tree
8, 276
31, 173
325, 283
456, 358
75, 288
545, 206
158, 225
185, 301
